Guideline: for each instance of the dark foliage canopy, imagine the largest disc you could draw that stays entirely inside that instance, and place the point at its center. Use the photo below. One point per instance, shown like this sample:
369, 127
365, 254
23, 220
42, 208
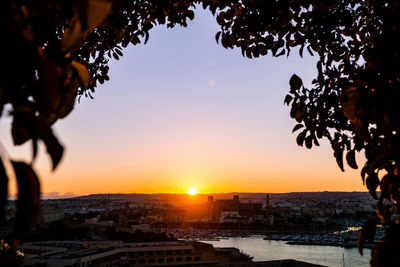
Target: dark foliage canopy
55, 51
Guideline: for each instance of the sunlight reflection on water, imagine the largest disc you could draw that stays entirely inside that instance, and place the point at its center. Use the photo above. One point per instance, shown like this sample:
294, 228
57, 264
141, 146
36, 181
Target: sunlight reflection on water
264, 250
349, 229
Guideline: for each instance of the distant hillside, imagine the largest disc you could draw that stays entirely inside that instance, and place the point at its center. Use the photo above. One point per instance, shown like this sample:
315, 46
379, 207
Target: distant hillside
242, 196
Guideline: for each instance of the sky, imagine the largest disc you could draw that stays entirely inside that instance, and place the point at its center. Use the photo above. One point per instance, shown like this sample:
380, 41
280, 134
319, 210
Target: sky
182, 111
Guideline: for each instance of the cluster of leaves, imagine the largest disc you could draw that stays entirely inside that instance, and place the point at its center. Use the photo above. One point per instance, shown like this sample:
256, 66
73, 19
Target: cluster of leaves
56, 51
353, 101
39, 80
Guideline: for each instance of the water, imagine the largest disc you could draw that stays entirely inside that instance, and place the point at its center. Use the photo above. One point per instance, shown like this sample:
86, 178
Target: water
265, 250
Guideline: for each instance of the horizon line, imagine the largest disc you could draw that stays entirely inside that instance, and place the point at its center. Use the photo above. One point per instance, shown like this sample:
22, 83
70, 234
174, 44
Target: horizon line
72, 195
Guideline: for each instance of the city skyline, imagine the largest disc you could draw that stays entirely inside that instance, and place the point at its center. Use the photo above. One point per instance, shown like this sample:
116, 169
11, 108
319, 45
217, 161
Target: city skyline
182, 112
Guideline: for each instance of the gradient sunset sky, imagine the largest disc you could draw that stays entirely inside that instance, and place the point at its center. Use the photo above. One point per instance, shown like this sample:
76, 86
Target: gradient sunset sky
181, 112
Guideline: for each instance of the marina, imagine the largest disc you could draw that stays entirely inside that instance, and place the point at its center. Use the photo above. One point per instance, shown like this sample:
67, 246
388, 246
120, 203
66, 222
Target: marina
268, 250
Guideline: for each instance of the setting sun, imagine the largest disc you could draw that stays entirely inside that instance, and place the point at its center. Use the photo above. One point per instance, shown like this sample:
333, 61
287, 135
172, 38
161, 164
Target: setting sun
192, 191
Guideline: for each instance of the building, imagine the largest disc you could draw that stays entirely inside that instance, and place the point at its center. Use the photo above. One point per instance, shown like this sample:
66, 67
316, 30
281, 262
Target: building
116, 253
229, 217
51, 215
234, 211
174, 215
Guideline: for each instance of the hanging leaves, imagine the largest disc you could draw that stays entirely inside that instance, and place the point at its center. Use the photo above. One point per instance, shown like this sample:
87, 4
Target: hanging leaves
27, 126
309, 141
28, 204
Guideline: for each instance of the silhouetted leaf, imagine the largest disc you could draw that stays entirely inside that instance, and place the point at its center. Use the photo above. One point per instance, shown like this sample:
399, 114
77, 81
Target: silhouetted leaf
82, 71
310, 51
293, 110
316, 143
53, 147
295, 82
73, 35
299, 113
281, 53
36, 128
351, 159
308, 141
301, 50
28, 204
217, 36
288, 99
119, 52
338, 153
248, 53
190, 14
243, 50
363, 173
297, 126
300, 137
373, 194
319, 133
372, 182
22, 129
